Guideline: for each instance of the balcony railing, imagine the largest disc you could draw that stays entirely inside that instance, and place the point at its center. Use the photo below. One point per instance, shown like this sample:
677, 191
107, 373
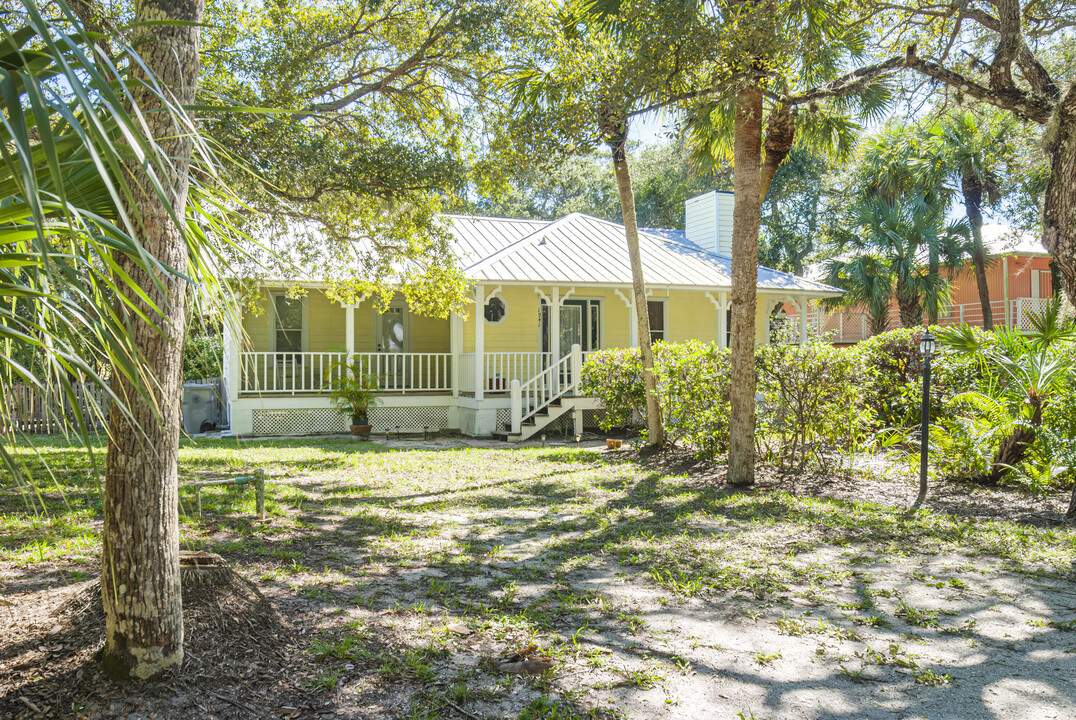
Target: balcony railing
854, 325
294, 373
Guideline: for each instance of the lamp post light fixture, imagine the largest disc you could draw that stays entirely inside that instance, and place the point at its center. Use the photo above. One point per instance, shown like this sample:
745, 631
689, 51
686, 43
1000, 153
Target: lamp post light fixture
927, 345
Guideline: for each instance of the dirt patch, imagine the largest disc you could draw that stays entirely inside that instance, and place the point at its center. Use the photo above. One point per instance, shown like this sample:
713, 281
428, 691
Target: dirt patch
877, 480
242, 656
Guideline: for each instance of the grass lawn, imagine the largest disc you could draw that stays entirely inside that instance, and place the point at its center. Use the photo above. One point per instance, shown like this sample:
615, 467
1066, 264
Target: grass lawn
412, 575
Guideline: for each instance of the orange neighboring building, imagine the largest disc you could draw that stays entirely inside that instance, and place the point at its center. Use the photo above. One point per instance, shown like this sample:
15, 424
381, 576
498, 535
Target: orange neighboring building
1019, 276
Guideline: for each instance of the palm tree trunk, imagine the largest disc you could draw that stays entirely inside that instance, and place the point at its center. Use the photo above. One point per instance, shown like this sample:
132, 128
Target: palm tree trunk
911, 310
747, 147
973, 200
140, 581
617, 137
1013, 449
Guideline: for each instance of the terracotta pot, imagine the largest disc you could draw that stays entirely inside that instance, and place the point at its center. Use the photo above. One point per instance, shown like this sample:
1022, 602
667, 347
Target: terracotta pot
613, 444
361, 430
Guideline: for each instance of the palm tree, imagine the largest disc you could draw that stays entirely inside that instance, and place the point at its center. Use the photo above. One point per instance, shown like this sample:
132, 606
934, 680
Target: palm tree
970, 146
99, 244
867, 281
899, 215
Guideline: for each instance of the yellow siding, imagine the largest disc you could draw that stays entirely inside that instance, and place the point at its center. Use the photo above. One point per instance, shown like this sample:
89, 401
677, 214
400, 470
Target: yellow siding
256, 327
615, 315
691, 317
365, 317
325, 324
429, 335
519, 330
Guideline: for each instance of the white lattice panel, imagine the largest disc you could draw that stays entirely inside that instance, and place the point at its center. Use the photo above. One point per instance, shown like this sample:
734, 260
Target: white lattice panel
298, 422
504, 418
408, 419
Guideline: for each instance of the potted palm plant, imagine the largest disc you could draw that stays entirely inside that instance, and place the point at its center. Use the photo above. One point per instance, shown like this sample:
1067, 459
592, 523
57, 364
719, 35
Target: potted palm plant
352, 389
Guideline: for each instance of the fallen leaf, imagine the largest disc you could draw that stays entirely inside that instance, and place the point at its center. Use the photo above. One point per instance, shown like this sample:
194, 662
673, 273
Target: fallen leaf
55, 629
459, 629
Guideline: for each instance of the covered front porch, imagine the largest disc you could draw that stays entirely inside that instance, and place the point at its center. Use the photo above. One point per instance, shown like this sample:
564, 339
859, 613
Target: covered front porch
516, 350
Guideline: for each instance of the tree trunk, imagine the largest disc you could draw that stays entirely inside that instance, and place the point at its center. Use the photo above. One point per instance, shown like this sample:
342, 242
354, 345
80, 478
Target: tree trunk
1013, 449
617, 137
973, 201
1059, 205
911, 310
140, 540
747, 148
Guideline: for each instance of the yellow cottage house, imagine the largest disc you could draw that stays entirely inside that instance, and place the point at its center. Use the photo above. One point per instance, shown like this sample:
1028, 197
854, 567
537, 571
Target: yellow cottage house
545, 294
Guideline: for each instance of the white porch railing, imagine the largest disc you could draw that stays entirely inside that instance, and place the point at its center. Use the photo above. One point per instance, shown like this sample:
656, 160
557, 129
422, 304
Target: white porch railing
293, 373
501, 368
275, 372
849, 326
408, 372
556, 381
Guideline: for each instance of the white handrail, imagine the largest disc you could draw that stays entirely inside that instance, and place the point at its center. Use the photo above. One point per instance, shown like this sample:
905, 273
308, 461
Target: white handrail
288, 372
546, 387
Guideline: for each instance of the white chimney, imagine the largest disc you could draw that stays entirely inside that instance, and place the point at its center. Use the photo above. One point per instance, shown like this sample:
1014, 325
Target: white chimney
708, 221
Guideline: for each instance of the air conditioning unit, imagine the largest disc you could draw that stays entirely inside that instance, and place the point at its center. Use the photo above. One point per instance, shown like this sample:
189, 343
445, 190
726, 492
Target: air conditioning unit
199, 408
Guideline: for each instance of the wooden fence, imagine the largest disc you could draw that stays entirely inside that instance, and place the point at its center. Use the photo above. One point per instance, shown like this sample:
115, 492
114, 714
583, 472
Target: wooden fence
29, 410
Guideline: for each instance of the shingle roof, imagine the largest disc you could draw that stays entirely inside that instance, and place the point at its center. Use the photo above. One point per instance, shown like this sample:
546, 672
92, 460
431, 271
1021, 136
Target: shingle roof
579, 249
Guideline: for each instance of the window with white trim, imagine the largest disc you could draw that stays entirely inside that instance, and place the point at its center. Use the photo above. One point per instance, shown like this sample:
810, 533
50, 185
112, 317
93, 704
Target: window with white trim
495, 311
287, 324
655, 309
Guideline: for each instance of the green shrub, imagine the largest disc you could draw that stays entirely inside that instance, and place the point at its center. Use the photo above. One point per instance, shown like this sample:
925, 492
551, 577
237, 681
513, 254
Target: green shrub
692, 381
890, 376
616, 378
693, 391
203, 357
810, 410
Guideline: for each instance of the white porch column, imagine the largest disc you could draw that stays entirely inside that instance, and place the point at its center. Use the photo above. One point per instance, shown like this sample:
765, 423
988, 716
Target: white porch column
232, 365
479, 343
455, 348
804, 305
349, 332
554, 325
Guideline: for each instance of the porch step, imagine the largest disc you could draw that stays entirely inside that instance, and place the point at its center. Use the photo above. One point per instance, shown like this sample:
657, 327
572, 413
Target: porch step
537, 422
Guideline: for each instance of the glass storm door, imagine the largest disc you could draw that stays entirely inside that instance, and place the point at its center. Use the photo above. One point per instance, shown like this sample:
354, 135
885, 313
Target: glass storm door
571, 328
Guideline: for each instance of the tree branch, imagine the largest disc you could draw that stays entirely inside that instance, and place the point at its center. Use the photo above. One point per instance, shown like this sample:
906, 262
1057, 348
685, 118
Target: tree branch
850, 83
1027, 105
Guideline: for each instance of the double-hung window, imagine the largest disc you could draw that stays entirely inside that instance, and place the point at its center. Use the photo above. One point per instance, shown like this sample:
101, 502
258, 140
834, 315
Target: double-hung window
287, 324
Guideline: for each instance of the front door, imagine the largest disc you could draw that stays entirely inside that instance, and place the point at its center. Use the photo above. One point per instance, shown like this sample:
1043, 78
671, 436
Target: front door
580, 322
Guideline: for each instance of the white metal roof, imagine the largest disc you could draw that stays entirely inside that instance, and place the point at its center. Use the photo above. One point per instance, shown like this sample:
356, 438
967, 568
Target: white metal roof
1007, 240
583, 250
479, 237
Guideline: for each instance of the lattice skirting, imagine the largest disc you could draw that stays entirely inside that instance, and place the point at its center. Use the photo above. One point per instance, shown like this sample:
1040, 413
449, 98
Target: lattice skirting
409, 419
504, 418
327, 421
322, 421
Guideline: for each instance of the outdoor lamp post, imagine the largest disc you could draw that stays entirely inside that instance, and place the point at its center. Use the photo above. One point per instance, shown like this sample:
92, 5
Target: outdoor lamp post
926, 349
